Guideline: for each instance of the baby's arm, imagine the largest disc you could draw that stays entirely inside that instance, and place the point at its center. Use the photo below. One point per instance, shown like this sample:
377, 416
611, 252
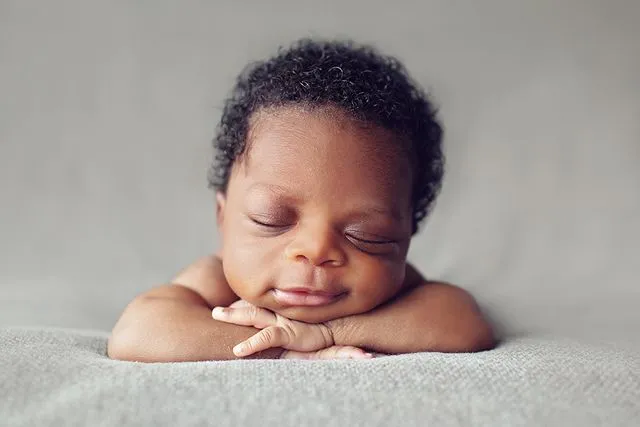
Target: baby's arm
425, 316
428, 316
173, 323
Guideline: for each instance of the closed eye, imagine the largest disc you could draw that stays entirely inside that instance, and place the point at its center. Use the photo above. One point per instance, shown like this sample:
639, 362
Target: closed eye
265, 224
373, 246
369, 237
372, 242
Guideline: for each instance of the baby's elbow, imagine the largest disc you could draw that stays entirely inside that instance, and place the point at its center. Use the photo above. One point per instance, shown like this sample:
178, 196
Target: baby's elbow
469, 330
476, 338
127, 336
482, 340
116, 350
121, 345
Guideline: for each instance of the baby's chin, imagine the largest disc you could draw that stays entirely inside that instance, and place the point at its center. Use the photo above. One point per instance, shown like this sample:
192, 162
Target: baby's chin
343, 306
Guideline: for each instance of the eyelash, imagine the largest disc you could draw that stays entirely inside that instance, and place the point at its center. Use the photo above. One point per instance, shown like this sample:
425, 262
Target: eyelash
370, 247
354, 240
266, 224
371, 242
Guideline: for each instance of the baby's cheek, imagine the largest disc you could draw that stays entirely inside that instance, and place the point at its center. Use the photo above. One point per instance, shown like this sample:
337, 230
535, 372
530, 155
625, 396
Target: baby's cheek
397, 274
380, 283
245, 270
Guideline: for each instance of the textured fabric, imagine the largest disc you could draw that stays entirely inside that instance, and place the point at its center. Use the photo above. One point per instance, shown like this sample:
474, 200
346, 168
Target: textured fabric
63, 377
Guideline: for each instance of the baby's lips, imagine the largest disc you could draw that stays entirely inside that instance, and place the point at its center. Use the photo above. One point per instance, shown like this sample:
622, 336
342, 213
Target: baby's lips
303, 298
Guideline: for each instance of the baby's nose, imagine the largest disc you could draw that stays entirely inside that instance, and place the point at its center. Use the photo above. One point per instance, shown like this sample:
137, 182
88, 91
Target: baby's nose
320, 246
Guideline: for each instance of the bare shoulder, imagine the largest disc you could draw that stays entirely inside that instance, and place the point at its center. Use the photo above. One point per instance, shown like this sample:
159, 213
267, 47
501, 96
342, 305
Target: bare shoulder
414, 279
206, 277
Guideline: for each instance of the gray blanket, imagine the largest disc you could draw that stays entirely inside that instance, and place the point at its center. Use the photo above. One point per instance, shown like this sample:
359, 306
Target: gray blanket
63, 377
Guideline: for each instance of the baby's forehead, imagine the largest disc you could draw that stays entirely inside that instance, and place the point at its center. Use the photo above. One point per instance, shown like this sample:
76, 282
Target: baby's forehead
299, 176
308, 146
322, 129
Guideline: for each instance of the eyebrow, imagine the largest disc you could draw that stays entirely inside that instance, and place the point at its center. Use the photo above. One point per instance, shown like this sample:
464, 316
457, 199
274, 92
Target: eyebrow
371, 210
364, 211
277, 189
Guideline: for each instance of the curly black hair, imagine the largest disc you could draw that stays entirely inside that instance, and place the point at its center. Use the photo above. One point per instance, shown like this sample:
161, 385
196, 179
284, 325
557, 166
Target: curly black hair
358, 80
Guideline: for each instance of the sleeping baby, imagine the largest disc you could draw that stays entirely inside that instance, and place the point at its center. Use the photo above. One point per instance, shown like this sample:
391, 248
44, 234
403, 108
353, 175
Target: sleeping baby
328, 158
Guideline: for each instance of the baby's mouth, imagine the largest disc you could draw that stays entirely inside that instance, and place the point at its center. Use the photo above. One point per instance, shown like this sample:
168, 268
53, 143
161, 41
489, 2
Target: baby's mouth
305, 297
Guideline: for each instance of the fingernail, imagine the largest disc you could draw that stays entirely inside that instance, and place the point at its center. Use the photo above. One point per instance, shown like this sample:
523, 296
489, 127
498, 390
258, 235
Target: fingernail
368, 355
238, 350
217, 311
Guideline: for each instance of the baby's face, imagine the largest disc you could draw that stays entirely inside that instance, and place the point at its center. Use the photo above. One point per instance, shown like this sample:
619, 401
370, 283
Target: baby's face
316, 220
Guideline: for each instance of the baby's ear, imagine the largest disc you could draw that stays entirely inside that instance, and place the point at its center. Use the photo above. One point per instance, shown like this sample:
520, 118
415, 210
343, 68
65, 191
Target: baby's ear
221, 200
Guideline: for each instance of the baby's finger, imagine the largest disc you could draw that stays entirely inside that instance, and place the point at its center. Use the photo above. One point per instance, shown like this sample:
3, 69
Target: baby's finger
246, 316
273, 336
342, 352
348, 352
240, 303
333, 352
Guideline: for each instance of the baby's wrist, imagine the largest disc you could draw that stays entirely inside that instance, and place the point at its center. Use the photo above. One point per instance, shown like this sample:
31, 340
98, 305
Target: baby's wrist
327, 334
348, 330
334, 330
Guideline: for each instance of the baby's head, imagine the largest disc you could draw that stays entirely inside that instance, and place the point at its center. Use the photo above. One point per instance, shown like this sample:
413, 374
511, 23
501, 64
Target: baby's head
328, 158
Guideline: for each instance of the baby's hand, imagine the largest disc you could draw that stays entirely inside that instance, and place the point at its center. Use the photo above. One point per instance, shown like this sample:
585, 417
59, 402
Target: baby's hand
302, 340
333, 352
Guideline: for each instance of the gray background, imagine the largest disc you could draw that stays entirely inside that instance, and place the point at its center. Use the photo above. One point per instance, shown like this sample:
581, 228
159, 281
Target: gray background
107, 110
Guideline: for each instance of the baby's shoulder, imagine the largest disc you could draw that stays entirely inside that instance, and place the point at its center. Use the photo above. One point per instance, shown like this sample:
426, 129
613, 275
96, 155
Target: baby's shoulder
206, 277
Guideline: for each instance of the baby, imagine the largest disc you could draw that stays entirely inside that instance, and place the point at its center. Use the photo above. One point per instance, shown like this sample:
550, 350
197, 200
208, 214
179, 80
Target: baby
328, 158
